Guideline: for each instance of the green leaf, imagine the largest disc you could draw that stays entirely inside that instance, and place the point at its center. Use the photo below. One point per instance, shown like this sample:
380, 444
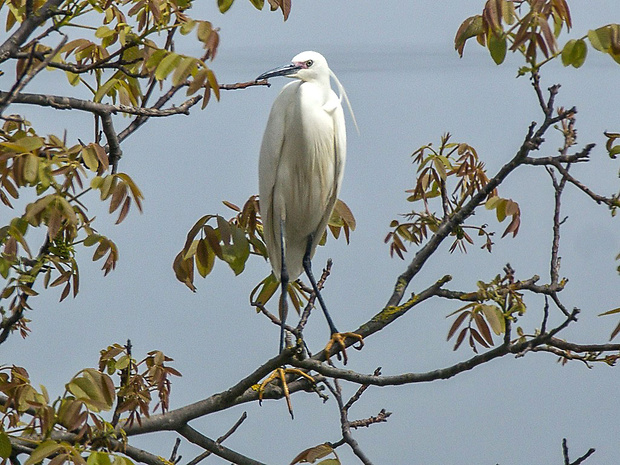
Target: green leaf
258, 4
615, 151
600, 38
187, 26
167, 65
574, 53
105, 88
204, 31
156, 58
104, 31
492, 202
224, 5
74, 79
89, 156
94, 388
268, 287
205, 258
44, 450
5, 445
312, 454
120, 460
98, 458
497, 48
31, 168
238, 252
183, 70
471, 27
495, 317
213, 83
25, 144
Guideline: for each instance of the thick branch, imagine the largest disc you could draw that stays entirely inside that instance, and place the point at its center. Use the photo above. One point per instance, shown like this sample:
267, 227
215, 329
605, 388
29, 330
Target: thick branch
114, 147
239, 393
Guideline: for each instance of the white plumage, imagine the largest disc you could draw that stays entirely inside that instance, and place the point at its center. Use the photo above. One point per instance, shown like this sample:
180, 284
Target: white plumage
301, 162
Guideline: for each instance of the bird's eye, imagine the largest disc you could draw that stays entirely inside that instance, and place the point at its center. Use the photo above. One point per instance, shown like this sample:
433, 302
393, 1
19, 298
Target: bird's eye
309, 63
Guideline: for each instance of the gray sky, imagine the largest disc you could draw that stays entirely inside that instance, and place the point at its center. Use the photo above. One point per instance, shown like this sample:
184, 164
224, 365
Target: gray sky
407, 87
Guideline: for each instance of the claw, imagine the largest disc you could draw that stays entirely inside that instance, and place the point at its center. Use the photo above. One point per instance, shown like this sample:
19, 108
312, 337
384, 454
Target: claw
280, 373
339, 340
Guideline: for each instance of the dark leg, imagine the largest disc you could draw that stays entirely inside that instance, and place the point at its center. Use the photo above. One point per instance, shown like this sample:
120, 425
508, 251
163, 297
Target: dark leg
308, 269
284, 291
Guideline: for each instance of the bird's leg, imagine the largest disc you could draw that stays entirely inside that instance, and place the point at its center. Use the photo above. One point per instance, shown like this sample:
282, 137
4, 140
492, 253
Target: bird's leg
280, 373
336, 337
284, 288
283, 294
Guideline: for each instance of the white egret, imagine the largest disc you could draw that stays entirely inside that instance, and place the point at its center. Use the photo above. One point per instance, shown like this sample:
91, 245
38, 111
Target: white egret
301, 166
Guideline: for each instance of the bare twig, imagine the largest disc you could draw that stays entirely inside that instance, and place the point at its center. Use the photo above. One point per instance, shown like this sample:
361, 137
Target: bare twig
306, 313
219, 440
381, 417
355, 397
209, 444
244, 85
174, 458
345, 425
580, 460
240, 392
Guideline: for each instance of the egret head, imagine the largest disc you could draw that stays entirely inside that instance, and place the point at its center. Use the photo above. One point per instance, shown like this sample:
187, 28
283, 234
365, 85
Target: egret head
307, 66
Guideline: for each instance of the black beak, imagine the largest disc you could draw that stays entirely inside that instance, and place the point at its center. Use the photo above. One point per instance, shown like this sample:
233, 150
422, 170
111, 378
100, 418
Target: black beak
281, 71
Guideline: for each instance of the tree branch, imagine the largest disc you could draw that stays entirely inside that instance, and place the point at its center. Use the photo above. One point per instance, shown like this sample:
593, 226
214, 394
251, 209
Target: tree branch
531, 142
580, 460
241, 392
71, 103
27, 76
209, 444
14, 42
219, 440
345, 425
519, 348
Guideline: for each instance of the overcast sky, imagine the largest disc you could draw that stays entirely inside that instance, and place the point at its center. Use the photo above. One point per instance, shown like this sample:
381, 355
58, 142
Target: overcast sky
407, 87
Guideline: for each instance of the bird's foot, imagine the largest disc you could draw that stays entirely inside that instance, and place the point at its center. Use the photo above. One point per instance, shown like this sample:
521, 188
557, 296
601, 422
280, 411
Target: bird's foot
339, 340
280, 373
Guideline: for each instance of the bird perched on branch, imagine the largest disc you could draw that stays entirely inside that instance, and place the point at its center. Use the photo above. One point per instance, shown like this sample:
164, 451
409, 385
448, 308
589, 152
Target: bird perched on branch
301, 166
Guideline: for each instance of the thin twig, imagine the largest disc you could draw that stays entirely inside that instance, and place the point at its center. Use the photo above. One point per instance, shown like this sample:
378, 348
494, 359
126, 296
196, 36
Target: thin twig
70, 103
209, 444
28, 75
579, 460
345, 426
219, 440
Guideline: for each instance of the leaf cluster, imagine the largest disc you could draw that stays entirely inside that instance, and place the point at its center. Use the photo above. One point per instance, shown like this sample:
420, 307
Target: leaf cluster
91, 392
493, 305
283, 5
235, 239
126, 49
532, 28
58, 173
447, 178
